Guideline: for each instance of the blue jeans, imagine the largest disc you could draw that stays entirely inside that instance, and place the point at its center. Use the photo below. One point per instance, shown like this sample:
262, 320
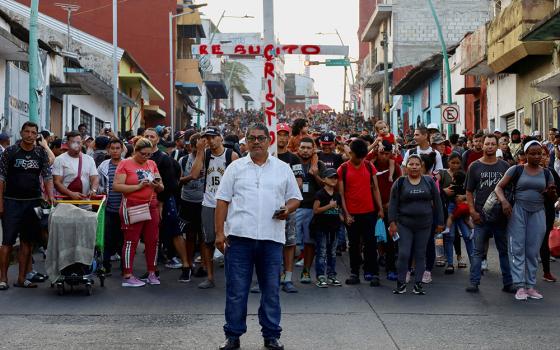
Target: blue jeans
242, 254
303, 220
500, 237
449, 238
341, 236
325, 251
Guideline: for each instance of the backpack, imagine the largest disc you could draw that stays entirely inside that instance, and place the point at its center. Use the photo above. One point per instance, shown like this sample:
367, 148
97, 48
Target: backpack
208, 155
492, 209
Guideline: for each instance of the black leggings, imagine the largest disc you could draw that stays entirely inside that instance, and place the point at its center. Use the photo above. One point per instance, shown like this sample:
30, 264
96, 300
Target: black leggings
410, 238
545, 251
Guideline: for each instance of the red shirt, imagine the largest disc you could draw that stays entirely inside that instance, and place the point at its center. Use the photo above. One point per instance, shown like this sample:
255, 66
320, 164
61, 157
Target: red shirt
383, 180
134, 173
389, 137
357, 192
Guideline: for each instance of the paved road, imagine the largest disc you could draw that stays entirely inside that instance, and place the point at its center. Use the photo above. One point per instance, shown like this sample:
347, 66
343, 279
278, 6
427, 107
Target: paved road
180, 316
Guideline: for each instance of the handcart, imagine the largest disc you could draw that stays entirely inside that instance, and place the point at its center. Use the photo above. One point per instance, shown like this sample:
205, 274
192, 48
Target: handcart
76, 243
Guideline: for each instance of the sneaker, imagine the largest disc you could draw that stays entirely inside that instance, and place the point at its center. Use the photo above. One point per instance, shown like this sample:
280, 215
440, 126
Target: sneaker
461, 262
353, 279
185, 275
401, 288
521, 294
305, 277
552, 259
174, 263
407, 279
534, 294
374, 282
152, 279
392, 276
473, 288
132, 282
146, 275
322, 282
230, 344
116, 257
368, 276
332, 281
299, 263
427, 277
449, 270
289, 287
418, 289
207, 284
484, 265
255, 289
198, 260
440, 262
549, 277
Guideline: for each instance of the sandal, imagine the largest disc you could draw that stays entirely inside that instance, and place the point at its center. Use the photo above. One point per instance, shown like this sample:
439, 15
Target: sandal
25, 284
4, 286
449, 270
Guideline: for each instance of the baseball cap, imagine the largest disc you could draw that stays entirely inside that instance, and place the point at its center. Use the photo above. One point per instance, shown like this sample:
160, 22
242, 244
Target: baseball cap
497, 130
437, 139
283, 127
433, 126
179, 135
536, 133
211, 131
4, 137
327, 138
243, 141
330, 172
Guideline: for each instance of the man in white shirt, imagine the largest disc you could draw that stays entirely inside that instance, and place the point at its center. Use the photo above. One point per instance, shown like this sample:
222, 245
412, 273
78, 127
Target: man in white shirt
255, 196
422, 138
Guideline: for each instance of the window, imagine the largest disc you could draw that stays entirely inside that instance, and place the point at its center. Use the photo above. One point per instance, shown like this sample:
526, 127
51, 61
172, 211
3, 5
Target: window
98, 126
86, 118
542, 118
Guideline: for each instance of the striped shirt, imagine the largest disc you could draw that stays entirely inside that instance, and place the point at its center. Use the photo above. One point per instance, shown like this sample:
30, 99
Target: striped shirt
114, 198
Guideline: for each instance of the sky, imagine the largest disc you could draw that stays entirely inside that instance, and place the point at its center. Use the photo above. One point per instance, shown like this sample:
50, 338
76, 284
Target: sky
297, 22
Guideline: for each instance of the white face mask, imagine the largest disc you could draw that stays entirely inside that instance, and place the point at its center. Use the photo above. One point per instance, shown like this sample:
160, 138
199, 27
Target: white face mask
75, 146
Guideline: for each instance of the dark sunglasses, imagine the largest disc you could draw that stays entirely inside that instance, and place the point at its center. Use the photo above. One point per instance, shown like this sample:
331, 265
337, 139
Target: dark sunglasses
260, 138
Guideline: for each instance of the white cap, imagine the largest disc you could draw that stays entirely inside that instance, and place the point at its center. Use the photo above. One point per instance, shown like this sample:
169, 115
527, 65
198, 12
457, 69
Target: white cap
433, 126
243, 142
536, 133
498, 130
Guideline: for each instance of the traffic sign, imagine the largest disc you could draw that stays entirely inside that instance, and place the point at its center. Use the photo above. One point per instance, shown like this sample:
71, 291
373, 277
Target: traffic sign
450, 113
344, 62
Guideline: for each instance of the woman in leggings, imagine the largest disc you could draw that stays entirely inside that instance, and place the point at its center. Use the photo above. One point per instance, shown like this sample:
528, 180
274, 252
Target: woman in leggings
527, 219
414, 203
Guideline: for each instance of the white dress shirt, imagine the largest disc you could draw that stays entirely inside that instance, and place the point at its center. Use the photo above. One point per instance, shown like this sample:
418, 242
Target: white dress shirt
254, 193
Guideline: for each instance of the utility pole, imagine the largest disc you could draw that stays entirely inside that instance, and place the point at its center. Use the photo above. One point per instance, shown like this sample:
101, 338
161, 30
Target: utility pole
115, 72
344, 97
33, 62
386, 107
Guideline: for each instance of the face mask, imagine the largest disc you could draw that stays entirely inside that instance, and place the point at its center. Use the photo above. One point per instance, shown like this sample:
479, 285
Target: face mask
75, 146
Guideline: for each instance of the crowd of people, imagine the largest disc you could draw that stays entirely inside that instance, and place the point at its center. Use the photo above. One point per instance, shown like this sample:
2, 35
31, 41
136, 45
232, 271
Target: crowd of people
337, 185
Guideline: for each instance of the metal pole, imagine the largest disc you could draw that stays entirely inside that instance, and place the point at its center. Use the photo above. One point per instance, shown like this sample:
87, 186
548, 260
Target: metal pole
344, 96
386, 107
450, 127
115, 72
171, 85
33, 63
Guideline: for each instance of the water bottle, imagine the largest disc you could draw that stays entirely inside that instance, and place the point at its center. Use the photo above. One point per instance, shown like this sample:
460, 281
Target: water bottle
440, 251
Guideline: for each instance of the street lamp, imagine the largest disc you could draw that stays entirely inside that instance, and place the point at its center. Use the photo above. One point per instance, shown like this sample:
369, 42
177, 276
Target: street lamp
193, 8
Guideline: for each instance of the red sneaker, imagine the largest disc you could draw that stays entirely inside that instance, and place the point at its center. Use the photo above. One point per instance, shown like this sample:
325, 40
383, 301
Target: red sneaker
549, 277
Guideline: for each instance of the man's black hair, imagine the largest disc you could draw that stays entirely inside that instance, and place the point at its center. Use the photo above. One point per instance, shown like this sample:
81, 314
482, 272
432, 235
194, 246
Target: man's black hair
359, 148
29, 125
454, 138
72, 134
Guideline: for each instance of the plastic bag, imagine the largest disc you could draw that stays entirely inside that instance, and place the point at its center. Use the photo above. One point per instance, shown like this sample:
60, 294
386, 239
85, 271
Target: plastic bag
380, 231
554, 242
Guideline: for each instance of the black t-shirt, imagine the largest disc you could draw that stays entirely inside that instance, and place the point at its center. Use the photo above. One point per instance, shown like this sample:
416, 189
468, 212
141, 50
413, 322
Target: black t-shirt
310, 185
482, 180
329, 219
331, 160
294, 163
21, 171
168, 172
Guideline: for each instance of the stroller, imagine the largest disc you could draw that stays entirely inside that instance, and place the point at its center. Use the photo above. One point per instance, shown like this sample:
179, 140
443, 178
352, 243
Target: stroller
76, 240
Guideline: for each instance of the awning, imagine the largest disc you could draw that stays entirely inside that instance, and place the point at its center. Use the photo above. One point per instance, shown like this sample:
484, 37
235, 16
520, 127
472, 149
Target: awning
217, 89
375, 80
92, 82
549, 84
381, 13
154, 111
547, 29
474, 90
248, 98
190, 89
11, 48
419, 75
61, 89
190, 26
140, 78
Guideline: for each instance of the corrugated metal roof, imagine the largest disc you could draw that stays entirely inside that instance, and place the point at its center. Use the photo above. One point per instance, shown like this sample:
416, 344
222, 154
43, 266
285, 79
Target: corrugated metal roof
77, 35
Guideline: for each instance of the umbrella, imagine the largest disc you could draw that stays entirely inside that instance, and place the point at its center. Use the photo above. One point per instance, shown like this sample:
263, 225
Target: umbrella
320, 108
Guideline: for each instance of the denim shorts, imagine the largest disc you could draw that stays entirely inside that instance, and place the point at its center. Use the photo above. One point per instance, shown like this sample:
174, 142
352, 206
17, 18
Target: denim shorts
291, 230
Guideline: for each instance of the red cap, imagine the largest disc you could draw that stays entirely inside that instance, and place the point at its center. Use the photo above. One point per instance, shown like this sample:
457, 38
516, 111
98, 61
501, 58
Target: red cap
64, 146
283, 127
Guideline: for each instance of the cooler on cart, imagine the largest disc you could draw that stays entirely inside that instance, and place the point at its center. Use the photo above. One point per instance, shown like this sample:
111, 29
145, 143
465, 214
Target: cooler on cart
76, 242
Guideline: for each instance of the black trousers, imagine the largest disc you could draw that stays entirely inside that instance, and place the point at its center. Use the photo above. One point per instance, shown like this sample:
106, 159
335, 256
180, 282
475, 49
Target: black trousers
113, 237
362, 234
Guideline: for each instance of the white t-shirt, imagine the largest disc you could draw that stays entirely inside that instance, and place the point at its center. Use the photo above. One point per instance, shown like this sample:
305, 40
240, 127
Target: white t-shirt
67, 167
439, 164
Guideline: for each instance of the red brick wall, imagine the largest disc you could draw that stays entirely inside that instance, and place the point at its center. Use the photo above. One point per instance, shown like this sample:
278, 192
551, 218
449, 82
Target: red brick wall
366, 10
143, 30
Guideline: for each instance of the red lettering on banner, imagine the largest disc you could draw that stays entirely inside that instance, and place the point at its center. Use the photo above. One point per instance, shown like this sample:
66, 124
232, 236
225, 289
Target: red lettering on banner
268, 70
217, 50
270, 98
310, 50
254, 50
267, 55
203, 49
240, 50
290, 48
269, 84
272, 137
269, 115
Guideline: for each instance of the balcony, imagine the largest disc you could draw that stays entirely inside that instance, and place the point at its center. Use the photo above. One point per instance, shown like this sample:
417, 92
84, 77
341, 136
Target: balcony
216, 86
474, 53
382, 12
504, 45
187, 71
